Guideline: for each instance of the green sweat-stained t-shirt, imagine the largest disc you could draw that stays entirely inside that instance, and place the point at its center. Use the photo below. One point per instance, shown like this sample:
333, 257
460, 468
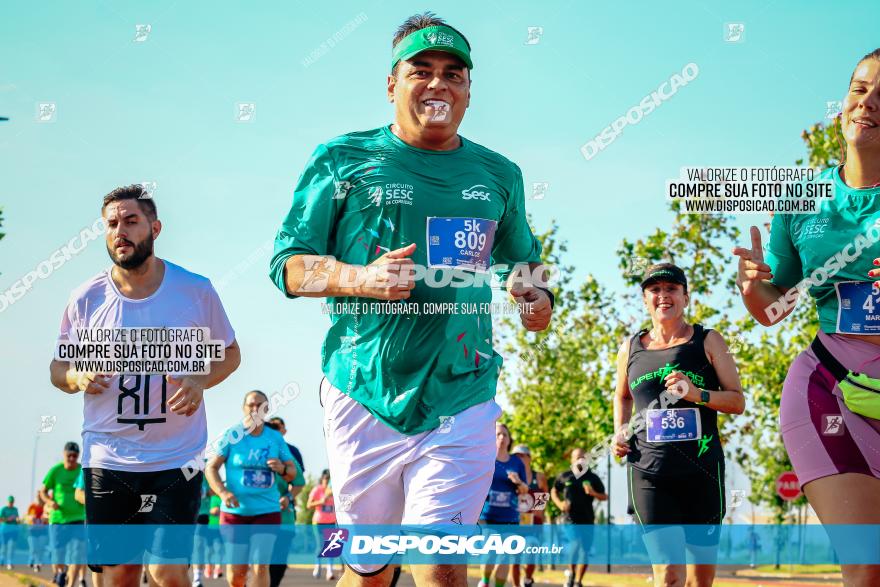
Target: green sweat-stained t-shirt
410, 363
60, 482
832, 249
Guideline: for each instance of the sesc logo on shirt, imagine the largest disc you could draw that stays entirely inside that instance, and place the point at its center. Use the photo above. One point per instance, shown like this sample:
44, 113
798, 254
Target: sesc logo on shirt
392, 194
476, 192
814, 228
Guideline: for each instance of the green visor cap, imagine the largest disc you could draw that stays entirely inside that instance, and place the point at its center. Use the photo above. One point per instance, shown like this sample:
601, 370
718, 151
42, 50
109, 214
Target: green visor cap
433, 38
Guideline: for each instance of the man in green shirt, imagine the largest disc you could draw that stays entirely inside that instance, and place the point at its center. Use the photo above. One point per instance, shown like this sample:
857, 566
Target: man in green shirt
399, 227
57, 492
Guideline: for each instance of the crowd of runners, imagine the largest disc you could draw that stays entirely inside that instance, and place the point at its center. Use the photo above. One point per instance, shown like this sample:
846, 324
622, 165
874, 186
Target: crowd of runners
410, 418
60, 502
61, 498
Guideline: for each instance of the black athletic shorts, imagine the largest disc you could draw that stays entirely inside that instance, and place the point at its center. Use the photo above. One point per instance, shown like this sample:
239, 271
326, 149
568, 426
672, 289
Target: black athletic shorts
158, 498
695, 502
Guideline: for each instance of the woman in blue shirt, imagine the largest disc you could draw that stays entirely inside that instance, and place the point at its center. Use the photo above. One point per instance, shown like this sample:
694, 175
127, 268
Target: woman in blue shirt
253, 454
501, 503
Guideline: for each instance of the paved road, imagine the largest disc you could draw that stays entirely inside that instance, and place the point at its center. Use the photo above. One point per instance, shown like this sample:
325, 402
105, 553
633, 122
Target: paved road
294, 576
303, 576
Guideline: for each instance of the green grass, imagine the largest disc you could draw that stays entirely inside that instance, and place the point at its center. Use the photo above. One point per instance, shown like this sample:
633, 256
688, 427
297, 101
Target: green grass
799, 569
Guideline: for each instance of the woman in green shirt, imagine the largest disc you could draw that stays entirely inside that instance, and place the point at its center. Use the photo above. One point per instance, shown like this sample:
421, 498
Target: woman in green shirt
829, 411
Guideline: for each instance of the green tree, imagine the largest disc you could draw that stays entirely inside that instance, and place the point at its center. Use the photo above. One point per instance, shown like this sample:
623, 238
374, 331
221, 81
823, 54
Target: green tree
561, 388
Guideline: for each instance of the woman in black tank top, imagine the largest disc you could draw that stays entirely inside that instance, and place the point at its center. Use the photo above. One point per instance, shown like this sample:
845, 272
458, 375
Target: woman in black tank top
672, 380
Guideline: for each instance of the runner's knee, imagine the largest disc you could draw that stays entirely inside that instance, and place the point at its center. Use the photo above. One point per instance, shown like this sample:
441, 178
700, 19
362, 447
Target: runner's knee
122, 575
261, 570
670, 576
169, 575
352, 578
445, 575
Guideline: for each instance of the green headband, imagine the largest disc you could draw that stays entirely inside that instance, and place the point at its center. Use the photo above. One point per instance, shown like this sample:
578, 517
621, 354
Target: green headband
433, 38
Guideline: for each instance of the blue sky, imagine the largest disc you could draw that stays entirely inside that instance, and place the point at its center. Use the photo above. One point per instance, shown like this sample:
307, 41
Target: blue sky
164, 110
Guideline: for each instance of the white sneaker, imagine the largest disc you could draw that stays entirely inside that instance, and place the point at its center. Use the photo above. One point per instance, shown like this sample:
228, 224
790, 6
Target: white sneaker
330, 576
317, 572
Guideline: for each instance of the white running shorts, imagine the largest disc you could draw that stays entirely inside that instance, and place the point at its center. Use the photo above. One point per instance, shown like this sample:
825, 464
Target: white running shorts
382, 476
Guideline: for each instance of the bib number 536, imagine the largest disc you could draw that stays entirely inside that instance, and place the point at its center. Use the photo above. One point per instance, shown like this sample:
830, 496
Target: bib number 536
672, 422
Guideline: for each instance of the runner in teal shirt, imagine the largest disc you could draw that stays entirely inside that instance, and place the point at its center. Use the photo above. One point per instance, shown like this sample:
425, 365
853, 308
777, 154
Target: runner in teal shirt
9, 519
248, 476
830, 253
9, 513
394, 190
401, 228
251, 460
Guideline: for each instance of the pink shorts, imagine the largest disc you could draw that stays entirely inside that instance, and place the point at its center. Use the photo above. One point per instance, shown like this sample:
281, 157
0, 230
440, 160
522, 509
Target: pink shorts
821, 435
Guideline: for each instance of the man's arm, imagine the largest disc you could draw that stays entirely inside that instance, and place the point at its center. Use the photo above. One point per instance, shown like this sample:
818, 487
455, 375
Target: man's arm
62, 376
187, 399
220, 371
561, 504
596, 489
536, 303
47, 499
390, 277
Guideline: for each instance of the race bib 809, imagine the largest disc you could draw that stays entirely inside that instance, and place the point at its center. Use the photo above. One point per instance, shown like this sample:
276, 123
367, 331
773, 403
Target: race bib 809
460, 242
